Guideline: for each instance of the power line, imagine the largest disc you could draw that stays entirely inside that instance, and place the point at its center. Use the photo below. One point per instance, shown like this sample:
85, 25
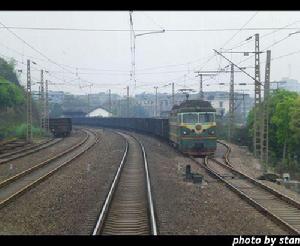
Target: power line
147, 30
17, 36
241, 28
263, 36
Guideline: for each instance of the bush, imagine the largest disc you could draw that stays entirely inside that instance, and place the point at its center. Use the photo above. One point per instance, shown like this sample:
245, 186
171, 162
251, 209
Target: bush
21, 131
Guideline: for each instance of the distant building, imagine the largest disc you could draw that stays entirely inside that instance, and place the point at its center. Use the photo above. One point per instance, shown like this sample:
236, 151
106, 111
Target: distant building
99, 112
220, 101
287, 84
56, 96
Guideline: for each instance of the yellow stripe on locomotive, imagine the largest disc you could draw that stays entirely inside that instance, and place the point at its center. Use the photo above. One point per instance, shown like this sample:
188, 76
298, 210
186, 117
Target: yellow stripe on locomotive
193, 132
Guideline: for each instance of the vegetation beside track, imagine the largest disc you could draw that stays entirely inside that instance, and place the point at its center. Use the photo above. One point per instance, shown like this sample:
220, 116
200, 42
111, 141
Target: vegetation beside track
284, 132
13, 105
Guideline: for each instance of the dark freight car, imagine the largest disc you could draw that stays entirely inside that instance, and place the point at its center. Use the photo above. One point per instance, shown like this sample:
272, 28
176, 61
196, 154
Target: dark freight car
158, 127
60, 127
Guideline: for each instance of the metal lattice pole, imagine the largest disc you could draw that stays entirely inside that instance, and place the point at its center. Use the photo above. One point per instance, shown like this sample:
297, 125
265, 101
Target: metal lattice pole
155, 87
29, 106
231, 103
127, 108
257, 101
109, 100
201, 93
173, 94
42, 100
265, 132
200, 87
46, 108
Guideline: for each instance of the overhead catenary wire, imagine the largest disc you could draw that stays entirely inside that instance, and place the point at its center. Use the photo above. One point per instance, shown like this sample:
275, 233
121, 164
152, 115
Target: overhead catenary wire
33, 48
148, 30
247, 40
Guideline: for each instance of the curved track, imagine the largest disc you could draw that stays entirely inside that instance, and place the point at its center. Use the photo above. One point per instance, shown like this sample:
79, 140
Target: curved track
12, 144
4, 158
16, 185
128, 208
280, 208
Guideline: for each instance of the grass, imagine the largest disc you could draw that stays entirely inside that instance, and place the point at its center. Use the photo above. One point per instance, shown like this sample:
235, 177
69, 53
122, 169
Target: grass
19, 131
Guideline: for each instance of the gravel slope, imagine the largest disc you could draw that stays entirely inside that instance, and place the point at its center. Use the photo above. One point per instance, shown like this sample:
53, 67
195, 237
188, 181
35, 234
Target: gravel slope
244, 161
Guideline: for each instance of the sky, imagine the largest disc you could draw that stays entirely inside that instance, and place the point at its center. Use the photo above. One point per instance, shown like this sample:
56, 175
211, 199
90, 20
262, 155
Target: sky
82, 62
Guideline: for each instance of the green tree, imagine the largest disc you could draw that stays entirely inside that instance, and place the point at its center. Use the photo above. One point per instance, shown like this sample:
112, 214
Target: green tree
283, 102
295, 130
7, 70
10, 94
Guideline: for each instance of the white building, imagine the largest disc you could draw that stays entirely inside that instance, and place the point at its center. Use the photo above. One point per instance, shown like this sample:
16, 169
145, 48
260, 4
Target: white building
99, 112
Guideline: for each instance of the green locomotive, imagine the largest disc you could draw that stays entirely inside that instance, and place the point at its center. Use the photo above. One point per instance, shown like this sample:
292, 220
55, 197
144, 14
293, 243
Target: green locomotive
192, 128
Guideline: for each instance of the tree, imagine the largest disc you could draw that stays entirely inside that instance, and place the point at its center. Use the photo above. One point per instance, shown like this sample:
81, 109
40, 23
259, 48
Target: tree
10, 94
284, 102
295, 120
7, 71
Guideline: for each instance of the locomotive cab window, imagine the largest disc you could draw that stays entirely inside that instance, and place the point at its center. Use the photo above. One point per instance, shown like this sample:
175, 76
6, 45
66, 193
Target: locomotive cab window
190, 118
207, 117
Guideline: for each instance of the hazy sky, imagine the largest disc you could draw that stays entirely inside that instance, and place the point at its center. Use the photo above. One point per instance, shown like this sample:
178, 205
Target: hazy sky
104, 58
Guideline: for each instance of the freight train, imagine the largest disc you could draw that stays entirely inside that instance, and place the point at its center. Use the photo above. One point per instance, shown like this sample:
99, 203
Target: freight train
191, 126
60, 127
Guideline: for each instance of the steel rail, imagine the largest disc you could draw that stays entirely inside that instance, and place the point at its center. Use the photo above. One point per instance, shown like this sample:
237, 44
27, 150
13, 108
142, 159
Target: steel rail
261, 187
149, 192
107, 204
28, 150
41, 164
264, 186
226, 155
252, 201
46, 175
108, 198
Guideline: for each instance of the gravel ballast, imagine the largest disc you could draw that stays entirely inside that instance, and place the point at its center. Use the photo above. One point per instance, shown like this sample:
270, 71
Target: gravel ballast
69, 201
244, 161
186, 208
13, 167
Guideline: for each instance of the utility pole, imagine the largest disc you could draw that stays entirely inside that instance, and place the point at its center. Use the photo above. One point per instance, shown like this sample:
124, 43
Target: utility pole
201, 74
127, 108
231, 104
244, 107
88, 103
109, 100
132, 49
155, 87
46, 107
29, 106
173, 95
265, 128
200, 87
257, 102
42, 100
257, 125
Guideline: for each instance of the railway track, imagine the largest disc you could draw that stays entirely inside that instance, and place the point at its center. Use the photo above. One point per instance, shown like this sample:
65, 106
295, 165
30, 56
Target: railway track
128, 208
6, 157
282, 209
16, 185
12, 144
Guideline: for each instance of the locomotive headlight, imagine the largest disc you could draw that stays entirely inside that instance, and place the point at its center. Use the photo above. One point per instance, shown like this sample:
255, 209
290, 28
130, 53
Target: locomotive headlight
185, 131
212, 132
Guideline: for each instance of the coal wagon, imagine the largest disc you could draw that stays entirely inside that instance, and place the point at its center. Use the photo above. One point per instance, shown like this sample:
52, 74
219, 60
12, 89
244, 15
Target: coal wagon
60, 127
